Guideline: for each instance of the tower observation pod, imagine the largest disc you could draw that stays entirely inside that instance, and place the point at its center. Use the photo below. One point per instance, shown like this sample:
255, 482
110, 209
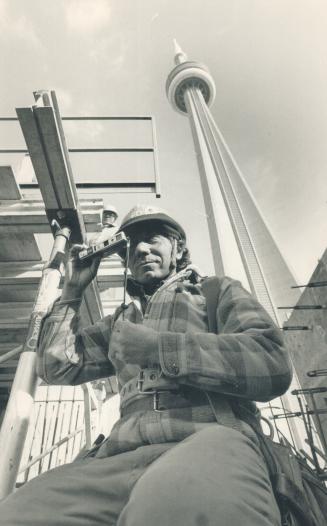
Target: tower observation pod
188, 75
234, 219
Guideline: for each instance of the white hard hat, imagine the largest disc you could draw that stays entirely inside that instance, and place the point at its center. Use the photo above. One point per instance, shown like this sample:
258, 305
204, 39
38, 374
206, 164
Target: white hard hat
144, 213
110, 209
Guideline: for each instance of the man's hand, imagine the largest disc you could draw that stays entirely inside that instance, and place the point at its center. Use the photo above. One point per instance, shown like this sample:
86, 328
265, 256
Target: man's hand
78, 274
134, 343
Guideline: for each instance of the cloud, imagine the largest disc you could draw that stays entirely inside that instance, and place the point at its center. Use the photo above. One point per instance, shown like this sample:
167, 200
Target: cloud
13, 27
86, 16
109, 50
65, 100
2, 8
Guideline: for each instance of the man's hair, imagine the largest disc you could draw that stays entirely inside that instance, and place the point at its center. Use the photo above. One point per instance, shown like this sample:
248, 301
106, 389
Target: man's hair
186, 256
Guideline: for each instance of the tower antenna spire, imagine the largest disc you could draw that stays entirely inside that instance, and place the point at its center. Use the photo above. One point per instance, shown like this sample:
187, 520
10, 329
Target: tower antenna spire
180, 56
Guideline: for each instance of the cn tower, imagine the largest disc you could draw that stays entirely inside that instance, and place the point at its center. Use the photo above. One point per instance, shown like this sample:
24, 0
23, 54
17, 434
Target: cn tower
191, 90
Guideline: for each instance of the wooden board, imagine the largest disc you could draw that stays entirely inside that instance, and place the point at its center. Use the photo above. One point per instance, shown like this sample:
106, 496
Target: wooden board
58, 411
9, 189
30, 272
14, 314
29, 216
12, 336
18, 292
15, 247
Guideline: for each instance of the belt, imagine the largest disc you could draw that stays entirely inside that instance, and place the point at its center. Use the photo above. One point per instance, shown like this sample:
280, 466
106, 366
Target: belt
148, 382
158, 402
151, 390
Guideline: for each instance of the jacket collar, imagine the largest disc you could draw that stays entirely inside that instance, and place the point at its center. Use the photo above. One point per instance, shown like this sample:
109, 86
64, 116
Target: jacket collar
190, 273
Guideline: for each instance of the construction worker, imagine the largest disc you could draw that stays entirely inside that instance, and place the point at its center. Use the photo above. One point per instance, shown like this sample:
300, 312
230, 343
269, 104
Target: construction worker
183, 451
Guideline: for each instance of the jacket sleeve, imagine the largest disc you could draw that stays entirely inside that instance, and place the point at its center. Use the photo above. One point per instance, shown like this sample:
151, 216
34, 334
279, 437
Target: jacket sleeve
68, 355
246, 358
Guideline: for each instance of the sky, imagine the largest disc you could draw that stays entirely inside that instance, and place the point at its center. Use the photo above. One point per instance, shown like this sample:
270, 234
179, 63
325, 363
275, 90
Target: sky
268, 60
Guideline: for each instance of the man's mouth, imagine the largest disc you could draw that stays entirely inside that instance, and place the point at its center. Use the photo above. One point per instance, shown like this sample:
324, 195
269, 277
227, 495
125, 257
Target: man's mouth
145, 263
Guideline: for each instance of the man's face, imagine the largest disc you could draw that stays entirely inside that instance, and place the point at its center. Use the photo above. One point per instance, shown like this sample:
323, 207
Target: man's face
150, 256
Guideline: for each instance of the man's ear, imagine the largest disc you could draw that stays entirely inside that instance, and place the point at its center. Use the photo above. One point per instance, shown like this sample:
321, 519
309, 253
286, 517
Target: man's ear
180, 249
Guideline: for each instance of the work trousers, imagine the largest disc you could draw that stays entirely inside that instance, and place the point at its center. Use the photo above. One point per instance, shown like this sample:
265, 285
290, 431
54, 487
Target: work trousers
215, 477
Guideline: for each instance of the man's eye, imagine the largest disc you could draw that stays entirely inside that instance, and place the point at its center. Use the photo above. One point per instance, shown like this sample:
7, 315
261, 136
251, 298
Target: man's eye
151, 239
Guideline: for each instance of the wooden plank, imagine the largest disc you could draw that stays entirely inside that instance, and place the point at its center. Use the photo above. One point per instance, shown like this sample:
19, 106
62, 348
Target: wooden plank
15, 247
70, 443
5, 347
67, 393
62, 449
18, 247
30, 272
23, 216
25, 271
23, 227
9, 364
37, 441
12, 336
73, 424
52, 409
80, 438
53, 401
13, 315
37, 205
28, 208
6, 384
11, 325
5, 378
26, 456
16, 292
39, 162
9, 188
58, 432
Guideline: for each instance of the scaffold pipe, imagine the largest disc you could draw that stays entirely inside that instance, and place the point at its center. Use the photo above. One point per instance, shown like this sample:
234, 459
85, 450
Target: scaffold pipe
20, 404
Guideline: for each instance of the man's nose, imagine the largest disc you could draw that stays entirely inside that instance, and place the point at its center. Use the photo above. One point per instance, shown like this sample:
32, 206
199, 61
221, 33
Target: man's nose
142, 248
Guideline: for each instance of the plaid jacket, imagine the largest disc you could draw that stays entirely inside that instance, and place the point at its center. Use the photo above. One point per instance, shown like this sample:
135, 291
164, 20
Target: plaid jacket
246, 359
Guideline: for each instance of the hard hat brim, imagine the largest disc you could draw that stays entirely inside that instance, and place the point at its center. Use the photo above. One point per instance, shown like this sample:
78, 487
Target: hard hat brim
153, 218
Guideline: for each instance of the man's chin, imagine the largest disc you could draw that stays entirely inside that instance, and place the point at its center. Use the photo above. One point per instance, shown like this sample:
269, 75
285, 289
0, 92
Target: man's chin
150, 277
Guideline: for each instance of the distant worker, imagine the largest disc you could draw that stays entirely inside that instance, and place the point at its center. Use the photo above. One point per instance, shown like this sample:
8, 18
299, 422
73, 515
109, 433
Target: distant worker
108, 225
182, 452
109, 216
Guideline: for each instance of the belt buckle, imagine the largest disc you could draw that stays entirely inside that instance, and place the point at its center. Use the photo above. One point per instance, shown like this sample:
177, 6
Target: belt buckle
140, 382
156, 402
151, 392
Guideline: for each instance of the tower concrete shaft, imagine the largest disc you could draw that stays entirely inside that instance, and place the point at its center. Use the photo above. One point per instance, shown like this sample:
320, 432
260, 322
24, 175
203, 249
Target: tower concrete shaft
191, 90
